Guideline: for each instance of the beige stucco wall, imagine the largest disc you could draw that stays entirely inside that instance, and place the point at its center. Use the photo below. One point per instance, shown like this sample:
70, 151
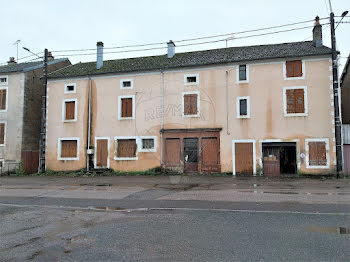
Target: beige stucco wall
218, 92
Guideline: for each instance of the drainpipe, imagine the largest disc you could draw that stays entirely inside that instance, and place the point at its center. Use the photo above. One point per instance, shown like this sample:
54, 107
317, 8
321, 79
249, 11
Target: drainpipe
162, 116
227, 116
88, 152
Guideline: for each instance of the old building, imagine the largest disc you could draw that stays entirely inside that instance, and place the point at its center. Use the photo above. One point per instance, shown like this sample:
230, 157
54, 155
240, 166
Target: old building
345, 111
20, 112
246, 110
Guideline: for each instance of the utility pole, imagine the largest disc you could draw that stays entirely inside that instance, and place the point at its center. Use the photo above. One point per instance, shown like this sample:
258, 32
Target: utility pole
42, 144
337, 119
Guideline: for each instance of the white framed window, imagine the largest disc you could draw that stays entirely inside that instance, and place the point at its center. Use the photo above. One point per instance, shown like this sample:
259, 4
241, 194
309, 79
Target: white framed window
294, 69
126, 84
3, 131
68, 148
70, 88
126, 148
317, 153
147, 144
191, 79
3, 98
295, 101
69, 110
243, 107
3, 80
126, 107
191, 104
242, 73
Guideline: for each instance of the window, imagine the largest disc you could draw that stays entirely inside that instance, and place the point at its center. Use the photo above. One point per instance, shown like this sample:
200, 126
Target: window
3, 99
148, 144
317, 152
192, 79
242, 73
126, 84
294, 69
243, 107
190, 104
126, 148
70, 88
3, 80
295, 101
2, 133
69, 110
68, 148
126, 107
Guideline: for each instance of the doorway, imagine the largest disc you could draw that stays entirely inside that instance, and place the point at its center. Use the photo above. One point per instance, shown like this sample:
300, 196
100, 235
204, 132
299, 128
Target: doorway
101, 153
190, 155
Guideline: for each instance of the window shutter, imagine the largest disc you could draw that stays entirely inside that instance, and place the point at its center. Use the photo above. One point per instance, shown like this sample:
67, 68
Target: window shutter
193, 104
126, 107
3, 99
317, 154
290, 68
126, 148
299, 101
290, 101
70, 110
68, 148
2, 133
190, 104
297, 68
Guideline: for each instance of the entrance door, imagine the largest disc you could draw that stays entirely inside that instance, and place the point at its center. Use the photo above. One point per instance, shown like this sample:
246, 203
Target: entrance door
172, 154
101, 153
190, 154
271, 160
244, 158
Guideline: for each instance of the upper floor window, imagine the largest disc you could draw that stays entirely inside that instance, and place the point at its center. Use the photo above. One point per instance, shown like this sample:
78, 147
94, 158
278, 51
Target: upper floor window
3, 80
190, 104
126, 84
294, 69
69, 110
243, 107
295, 101
191, 79
126, 107
242, 73
3, 99
2, 133
70, 88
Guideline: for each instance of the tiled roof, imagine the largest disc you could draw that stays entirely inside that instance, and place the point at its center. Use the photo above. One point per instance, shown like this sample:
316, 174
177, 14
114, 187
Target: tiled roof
197, 58
23, 67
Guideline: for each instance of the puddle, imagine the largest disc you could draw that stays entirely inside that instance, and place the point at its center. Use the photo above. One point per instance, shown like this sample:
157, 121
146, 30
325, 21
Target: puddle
109, 208
330, 230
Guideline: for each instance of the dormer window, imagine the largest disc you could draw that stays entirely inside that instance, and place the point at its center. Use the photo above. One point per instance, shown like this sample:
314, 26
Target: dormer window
192, 79
70, 88
126, 84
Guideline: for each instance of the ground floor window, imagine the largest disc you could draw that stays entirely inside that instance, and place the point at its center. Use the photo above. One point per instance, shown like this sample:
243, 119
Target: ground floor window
68, 149
148, 144
126, 149
2, 133
317, 152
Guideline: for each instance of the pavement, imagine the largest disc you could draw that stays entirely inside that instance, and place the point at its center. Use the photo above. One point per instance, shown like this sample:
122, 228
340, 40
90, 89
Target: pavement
174, 218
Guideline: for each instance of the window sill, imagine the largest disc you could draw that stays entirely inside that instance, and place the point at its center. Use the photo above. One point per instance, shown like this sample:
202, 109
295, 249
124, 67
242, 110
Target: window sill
317, 167
68, 158
243, 82
243, 117
295, 78
189, 116
296, 114
125, 158
126, 118
153, 150
69, 121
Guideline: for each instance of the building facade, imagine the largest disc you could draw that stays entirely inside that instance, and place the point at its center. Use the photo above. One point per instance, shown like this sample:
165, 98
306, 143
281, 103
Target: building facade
247, 110
20, 112
345, 111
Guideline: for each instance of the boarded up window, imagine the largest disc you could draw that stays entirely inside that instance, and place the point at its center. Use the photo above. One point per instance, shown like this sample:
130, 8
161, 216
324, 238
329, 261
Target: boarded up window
126, 148
2, 133
242, 72
147, 143
317, 154
126, 107
190, 104
70, 110
3, 94
295, 101
243, 107
69, 148
294, 68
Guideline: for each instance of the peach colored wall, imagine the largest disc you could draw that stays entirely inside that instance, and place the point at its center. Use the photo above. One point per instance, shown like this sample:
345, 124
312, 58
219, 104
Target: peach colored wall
218, 91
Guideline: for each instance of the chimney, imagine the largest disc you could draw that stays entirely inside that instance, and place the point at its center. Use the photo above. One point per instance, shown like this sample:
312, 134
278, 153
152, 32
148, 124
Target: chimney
99, 62
50, 56
171, 49
11, 61
317, 33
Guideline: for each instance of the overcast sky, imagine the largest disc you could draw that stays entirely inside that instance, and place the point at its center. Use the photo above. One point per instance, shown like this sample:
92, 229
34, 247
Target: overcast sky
62, 25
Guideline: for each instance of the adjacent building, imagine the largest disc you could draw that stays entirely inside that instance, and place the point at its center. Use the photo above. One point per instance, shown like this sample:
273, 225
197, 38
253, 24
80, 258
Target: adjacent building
345, 110
20, 112
247, 110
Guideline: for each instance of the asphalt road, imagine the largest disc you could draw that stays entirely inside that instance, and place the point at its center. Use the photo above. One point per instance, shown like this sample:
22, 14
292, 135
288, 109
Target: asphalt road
61, 234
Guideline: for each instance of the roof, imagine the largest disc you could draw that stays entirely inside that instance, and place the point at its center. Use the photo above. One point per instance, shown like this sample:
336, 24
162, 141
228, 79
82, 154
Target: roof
345, 70
197, 58
25, 67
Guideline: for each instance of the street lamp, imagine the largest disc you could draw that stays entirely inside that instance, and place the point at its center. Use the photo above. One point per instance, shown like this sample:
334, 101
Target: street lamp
27, 49
342, 17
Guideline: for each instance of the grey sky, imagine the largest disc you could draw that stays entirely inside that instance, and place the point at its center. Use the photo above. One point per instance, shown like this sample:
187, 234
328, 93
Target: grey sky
60, 25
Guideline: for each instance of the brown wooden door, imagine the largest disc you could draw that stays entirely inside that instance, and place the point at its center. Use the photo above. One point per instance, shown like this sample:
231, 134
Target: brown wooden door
346, 149
172, 153
190, 154
244, 158
101, 152
271, 161
210, 154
